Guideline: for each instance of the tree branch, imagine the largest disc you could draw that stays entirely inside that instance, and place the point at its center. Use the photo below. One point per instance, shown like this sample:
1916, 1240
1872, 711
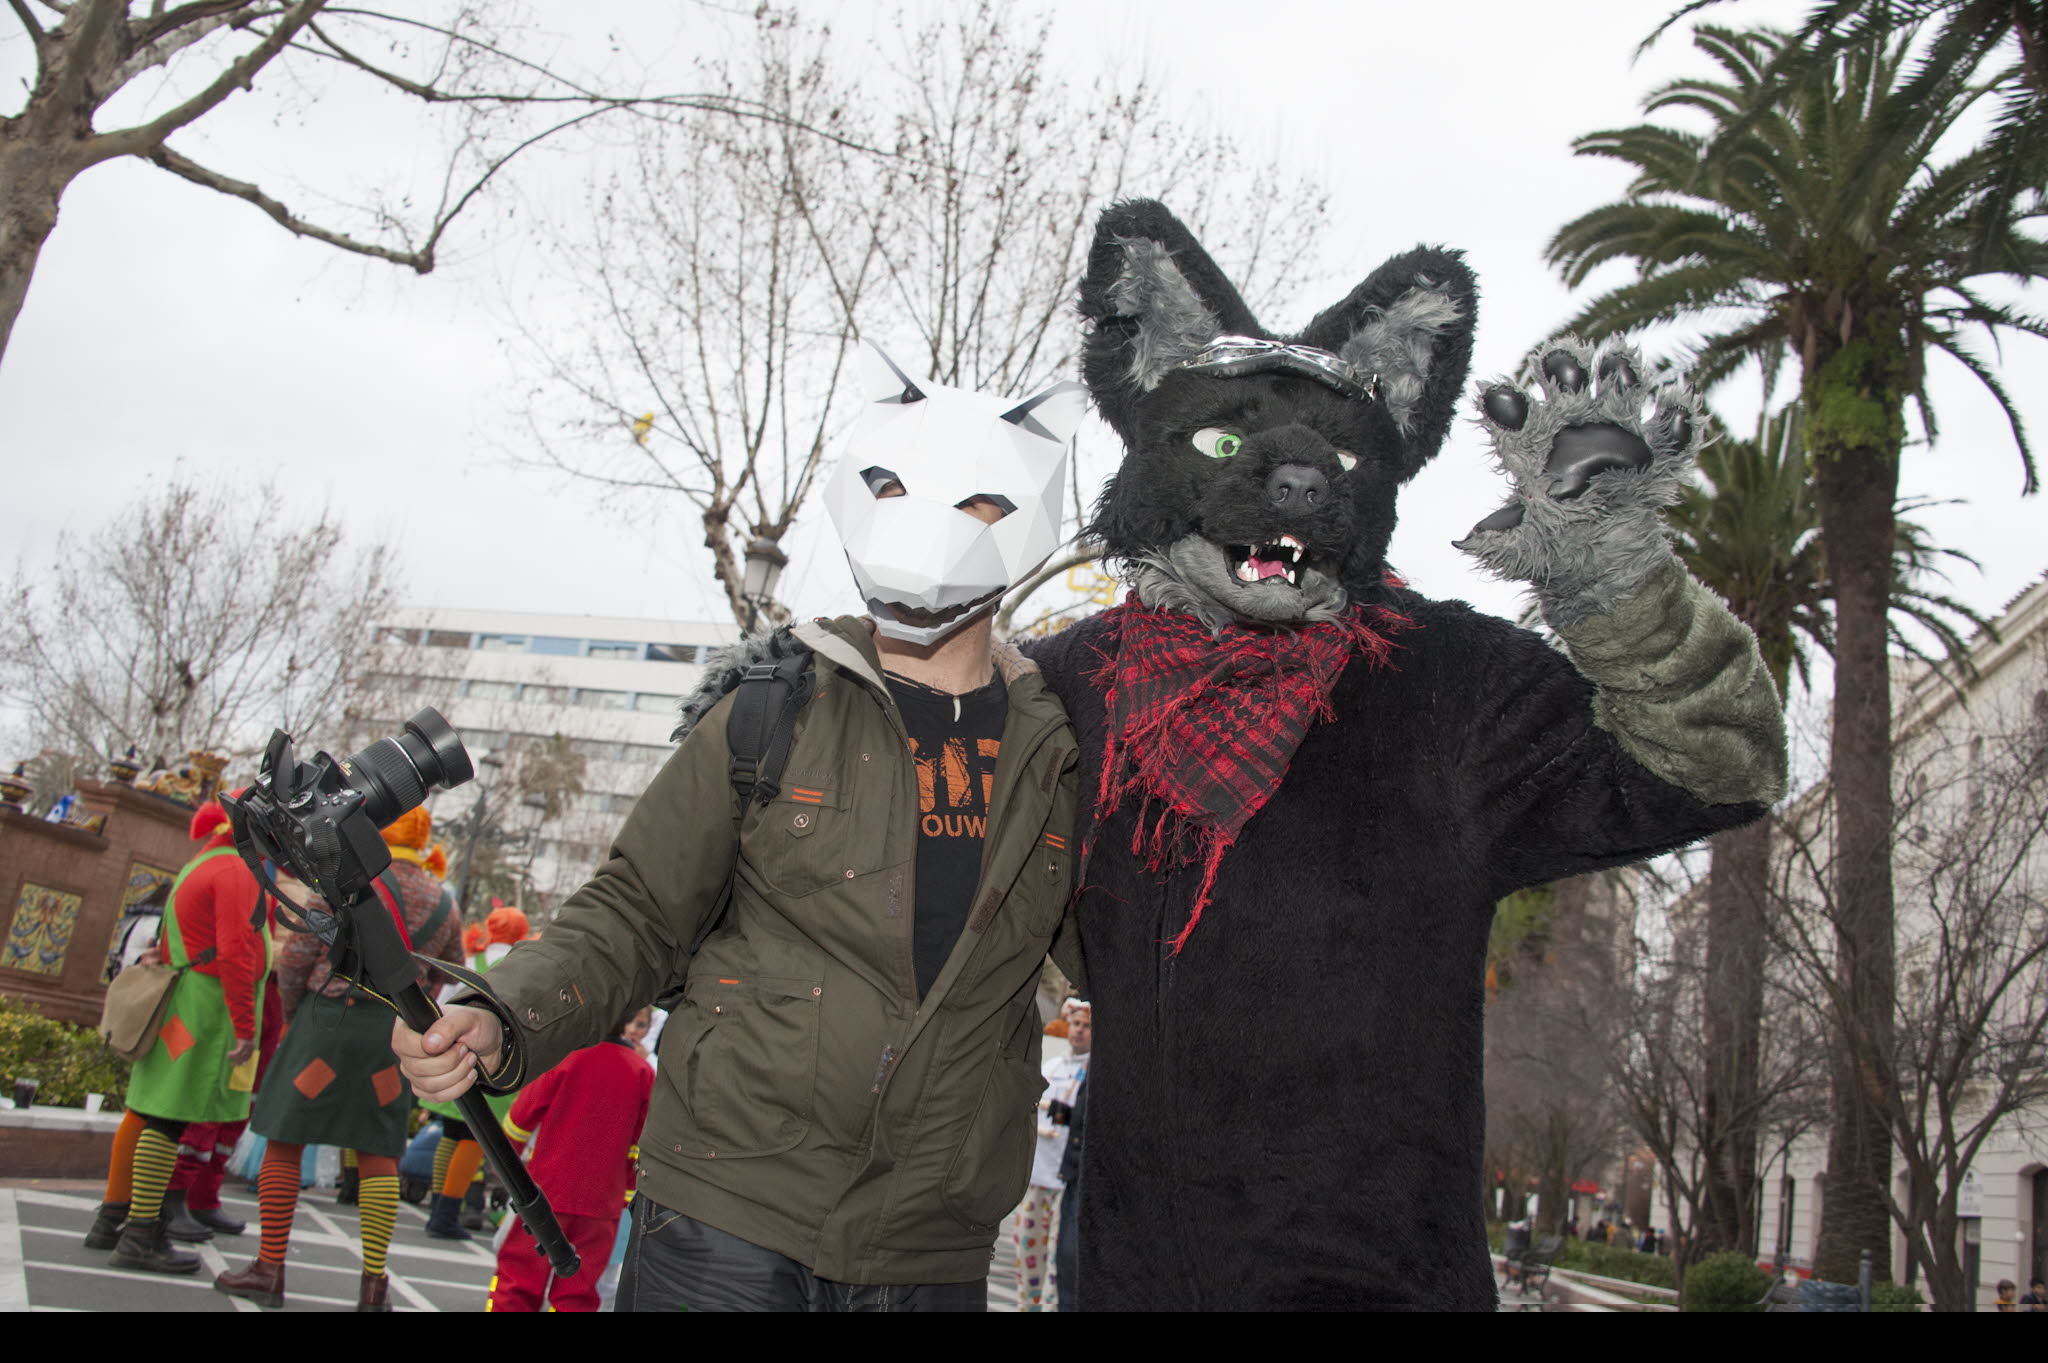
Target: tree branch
82, 42
240, 74
35, 30
160, 50
1086, 551
163, 21
186, 168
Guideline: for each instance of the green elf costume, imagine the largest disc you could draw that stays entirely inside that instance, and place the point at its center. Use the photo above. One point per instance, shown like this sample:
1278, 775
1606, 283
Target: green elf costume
202, 1067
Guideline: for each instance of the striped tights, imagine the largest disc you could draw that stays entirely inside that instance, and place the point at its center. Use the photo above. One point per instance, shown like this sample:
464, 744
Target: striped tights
456, 1161
277, 1195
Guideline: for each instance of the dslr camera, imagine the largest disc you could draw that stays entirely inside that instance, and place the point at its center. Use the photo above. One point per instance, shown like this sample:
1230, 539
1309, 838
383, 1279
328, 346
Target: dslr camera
321, 819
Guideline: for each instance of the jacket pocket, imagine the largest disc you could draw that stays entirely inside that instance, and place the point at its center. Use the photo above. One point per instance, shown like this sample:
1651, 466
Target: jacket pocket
805, 840
989, 1171
749, 1075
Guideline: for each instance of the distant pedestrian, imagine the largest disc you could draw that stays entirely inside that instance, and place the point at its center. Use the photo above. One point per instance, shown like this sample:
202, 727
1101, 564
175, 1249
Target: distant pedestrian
584, 1118
1037, 1217
2037, 1296
2005, 1294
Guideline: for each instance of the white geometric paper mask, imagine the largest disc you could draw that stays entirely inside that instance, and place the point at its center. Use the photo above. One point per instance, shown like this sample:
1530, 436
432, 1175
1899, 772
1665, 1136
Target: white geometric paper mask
924, 566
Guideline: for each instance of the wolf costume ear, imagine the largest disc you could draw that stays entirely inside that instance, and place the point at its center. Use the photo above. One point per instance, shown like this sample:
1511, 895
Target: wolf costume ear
1411, 323
1153, 299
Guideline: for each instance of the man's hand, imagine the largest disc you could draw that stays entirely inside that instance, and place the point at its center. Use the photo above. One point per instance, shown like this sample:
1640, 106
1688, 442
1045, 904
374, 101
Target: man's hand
441, 1064
244, 1047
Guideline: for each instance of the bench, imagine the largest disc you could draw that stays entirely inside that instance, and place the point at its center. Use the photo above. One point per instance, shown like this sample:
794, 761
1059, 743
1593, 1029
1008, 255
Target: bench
1529, 1266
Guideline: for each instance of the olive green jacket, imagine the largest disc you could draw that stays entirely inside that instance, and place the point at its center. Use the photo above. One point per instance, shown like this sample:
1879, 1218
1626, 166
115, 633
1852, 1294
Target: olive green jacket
805, 1101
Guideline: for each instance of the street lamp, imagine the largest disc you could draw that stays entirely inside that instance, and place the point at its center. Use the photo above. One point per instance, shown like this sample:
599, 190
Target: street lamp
765, 562
488, 768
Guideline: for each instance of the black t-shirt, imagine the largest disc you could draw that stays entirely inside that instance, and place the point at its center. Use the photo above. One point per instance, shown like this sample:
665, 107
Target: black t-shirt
955, 741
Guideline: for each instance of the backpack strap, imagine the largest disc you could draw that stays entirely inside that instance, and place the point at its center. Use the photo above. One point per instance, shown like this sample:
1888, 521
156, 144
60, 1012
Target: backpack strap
762, 724
759, 731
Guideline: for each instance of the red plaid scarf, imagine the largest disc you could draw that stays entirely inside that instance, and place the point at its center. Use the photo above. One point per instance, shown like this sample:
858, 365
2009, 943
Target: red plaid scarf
1202, 728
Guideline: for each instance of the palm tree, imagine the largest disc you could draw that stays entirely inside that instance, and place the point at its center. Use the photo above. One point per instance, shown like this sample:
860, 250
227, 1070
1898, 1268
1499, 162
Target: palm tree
1816, 222
1749, 531
1960, 34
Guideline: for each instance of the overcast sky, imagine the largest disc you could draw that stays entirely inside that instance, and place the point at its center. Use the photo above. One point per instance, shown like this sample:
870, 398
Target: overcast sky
168, 324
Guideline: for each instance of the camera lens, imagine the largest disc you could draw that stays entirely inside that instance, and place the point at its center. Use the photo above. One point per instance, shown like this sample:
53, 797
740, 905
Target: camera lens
396, 773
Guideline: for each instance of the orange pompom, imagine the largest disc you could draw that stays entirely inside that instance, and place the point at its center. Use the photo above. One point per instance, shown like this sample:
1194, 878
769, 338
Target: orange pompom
506, 925
414, 829
1057, 1027
475, 939
437, 862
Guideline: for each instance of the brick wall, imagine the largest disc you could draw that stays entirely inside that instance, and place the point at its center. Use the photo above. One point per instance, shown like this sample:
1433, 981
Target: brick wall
62, 888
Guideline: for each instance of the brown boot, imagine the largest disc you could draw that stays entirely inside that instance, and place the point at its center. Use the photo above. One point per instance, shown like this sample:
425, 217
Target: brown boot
106, 1226
261, 1282
371, 1296
144, 1245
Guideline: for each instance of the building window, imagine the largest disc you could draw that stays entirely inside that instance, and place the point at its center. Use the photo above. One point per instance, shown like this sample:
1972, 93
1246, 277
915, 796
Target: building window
592, 749
649, 702
590, 699
449, 638
606, 648
490, 690
501, 643
554, 646
544, 695
674, 653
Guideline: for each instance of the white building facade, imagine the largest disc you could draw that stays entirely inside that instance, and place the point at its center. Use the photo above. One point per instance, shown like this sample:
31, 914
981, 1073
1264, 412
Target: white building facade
1947, 737
528, 690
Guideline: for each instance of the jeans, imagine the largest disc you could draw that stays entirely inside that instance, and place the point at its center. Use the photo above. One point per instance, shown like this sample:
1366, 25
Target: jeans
677, 1263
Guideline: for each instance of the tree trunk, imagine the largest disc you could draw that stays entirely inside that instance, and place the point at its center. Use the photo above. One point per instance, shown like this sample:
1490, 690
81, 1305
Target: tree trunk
31, 183
1854, 432
1735, 1000
1948, 1286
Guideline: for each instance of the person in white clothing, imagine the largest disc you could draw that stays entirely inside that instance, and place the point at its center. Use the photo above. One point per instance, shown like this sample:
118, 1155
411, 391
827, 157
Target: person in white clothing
1040, 1212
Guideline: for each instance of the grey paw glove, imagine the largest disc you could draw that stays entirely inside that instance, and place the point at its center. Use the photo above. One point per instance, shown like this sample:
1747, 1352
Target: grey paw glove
1593, 462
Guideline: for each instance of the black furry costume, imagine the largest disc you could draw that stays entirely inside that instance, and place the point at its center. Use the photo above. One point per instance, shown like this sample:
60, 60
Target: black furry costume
1287, 1112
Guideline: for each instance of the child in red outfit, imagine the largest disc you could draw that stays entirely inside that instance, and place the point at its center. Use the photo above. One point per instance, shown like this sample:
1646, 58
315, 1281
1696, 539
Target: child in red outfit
588, 1111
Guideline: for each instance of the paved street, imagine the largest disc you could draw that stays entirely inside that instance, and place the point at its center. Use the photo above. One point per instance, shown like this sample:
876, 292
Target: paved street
44, 1268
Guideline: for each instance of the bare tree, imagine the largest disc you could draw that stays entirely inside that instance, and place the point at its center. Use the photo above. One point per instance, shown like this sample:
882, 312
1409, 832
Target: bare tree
458, 56
731, 274
1549, 1028
1969, 1047
1662, 1064
199, 617
724, 276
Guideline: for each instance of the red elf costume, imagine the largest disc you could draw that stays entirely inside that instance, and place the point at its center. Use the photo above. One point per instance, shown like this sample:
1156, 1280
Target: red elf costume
588, 1111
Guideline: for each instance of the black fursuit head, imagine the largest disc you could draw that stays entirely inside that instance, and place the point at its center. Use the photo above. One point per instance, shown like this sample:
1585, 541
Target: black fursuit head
1263, 497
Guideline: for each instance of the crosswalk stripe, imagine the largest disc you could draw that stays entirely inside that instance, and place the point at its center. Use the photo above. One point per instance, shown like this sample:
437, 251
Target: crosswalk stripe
13, 1272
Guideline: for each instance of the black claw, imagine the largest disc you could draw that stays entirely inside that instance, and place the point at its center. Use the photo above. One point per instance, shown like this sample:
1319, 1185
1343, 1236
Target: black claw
1614, 370
1681, 428
1580, 452
1507, 518
1504, 407
1564, 371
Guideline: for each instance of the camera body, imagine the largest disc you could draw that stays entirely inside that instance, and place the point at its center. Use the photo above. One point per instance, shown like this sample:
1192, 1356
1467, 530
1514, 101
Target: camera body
322, 820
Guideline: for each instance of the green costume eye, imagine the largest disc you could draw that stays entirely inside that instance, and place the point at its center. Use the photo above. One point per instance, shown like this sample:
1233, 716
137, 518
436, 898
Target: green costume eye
1217, 443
